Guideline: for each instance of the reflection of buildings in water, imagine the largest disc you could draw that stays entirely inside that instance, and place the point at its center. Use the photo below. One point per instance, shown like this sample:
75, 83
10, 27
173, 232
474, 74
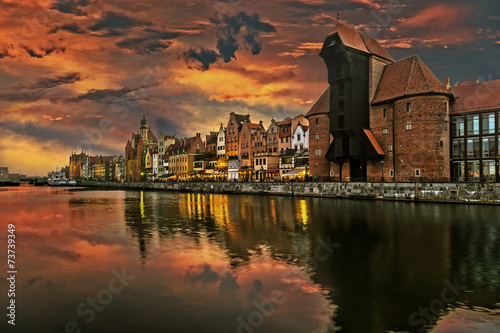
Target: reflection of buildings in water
380, 271
476, 255
245, 222
137, 212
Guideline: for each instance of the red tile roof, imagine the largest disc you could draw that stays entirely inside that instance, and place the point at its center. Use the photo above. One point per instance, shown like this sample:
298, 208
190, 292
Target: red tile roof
286, 121
322, 105
407, 77
359, 41
475, 97
254, 126
374, 142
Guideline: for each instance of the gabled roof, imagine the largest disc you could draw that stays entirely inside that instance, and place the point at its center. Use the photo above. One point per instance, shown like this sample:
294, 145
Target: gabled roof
254, 126
322, 105
286, 121
240, 118
359, 41
407, 77
478, 96
212, 140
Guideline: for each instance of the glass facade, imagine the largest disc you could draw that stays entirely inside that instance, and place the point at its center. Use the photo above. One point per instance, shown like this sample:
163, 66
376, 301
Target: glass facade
475, 147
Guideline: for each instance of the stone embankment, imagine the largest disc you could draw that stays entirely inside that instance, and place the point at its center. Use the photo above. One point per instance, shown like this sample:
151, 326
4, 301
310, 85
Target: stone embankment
477, 193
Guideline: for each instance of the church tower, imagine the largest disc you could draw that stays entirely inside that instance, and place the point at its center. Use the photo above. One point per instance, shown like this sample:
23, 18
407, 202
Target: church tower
144, 129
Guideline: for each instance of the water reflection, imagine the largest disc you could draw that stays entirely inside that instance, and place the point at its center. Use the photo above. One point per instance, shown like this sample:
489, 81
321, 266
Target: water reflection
217, 263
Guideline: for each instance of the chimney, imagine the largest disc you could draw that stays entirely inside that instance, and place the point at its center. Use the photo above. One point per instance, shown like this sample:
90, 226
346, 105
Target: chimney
447, 82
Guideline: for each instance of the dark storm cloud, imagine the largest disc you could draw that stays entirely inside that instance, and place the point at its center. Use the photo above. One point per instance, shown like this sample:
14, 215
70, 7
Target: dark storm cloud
43, 51
116, 24
70, 27
229, 27
111, 95
228, 30
202, 56
38, 89
71, 6
154, 41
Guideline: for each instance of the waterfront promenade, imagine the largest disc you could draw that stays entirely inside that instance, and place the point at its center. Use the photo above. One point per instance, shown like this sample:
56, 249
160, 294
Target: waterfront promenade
469, 193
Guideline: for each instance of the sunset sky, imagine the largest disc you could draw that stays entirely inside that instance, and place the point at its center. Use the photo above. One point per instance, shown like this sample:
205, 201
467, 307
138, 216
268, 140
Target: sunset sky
78, 74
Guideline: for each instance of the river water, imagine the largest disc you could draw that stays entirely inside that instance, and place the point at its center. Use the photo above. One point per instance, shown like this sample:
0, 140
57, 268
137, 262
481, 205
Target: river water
133, 261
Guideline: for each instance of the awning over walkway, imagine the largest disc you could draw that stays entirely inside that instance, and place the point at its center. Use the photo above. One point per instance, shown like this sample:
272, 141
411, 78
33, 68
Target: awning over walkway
294, 172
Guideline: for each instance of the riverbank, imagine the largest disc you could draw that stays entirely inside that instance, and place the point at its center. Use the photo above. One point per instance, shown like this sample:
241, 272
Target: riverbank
469, 193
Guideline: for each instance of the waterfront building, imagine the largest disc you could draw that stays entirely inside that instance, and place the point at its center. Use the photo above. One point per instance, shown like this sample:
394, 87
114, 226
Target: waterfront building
285, 134
211, 142
221, 141
273, 138
234, 125
181, 156
233, 166
76, 162
164, 141
475, 131
382, 112
135, 152
300, 137
320, 138
248, 133
4, 173
300, 119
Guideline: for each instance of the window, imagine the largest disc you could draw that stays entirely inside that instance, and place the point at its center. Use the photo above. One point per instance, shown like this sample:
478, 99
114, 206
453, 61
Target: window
417, 172
489, 123
274, 139
445, 126
473, 125
391, 173
408, 127
473, 171
385, 113
317, 137
341, 122
317, 152
264, 161
242, 145
389, 147
281, 140
458, 148
270, 140
385, 131
244, 136
298, 137
489, 147
488, 170
341, 90
317, 121
408, 107
458, 127
287, 139
473, 147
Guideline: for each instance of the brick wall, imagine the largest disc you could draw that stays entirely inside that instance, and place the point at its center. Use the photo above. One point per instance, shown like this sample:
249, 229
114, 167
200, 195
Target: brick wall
424, 147
319, 166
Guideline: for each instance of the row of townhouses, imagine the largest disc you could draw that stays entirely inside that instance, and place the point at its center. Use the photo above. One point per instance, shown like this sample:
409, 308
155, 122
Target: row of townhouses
377, 120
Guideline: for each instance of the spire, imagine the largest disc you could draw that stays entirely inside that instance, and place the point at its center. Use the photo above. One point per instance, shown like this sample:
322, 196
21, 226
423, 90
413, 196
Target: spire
144, 122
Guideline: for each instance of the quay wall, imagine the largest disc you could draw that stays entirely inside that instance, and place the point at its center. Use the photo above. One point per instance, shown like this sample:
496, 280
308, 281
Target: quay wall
470, 193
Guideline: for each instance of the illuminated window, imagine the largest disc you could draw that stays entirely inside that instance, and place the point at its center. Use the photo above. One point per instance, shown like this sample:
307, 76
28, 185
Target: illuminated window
385, 131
